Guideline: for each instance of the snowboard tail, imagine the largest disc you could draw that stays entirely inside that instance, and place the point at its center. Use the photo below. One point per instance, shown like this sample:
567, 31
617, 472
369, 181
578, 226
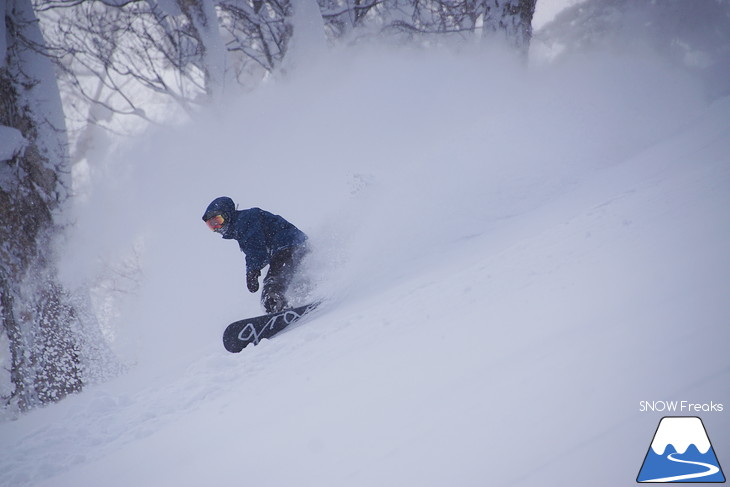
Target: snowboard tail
241, 333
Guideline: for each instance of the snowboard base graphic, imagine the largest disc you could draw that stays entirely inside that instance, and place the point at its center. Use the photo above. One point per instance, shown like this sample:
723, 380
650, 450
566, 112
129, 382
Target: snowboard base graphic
241, 333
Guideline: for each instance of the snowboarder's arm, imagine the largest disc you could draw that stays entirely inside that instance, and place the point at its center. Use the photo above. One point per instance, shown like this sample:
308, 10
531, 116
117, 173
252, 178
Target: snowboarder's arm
254, 246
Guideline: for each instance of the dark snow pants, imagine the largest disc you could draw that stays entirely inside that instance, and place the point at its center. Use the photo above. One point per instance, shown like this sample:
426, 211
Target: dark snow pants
282, 268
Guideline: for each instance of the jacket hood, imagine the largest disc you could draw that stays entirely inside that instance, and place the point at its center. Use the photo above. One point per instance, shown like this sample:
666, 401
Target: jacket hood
220, 206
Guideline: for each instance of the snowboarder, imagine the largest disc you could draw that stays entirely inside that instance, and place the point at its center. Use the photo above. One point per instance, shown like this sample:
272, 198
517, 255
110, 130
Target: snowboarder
266, 239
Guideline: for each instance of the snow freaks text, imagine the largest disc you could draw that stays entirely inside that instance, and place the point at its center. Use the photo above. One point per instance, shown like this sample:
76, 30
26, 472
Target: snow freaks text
680, 407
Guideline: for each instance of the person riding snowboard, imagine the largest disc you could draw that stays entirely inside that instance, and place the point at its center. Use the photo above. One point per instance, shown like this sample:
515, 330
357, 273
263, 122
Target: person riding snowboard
266, 239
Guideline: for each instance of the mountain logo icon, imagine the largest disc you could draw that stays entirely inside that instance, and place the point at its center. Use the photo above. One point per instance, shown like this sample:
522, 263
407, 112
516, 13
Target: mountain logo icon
680, 452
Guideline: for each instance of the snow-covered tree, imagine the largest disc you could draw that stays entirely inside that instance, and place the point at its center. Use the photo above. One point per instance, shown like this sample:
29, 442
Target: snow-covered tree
38, 322
694, 35
508, 21
157, 59
257, 33
136, 58
342, 17
201, 17
138, 51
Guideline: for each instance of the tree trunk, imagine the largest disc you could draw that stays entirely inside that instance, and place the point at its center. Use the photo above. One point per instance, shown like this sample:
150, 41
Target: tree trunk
36, 315
204, 22
510, 20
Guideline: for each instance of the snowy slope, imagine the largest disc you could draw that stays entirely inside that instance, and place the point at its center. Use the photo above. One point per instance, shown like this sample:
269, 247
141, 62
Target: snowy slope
510, 271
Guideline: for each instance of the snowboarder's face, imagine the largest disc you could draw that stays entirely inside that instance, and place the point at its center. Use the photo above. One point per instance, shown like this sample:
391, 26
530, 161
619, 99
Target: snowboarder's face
216, 223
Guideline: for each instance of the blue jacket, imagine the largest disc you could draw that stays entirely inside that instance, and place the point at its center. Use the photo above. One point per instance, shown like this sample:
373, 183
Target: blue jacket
260, 234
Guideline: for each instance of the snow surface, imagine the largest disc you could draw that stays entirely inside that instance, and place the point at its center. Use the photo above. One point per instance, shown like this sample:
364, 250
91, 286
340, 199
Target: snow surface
513, 260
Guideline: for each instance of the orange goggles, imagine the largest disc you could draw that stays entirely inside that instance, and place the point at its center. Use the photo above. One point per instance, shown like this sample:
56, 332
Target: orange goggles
215, 223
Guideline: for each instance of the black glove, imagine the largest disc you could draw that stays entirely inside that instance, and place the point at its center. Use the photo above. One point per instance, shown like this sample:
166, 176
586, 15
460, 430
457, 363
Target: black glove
252, 280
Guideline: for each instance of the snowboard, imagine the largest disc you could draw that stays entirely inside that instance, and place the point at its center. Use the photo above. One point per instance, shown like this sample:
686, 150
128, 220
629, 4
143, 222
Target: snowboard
252, 330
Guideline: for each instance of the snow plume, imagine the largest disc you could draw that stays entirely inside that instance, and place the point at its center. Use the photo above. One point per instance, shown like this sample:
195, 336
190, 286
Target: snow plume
384, 156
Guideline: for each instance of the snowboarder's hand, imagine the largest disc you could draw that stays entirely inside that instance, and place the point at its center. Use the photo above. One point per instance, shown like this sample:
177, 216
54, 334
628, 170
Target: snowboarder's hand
252, 280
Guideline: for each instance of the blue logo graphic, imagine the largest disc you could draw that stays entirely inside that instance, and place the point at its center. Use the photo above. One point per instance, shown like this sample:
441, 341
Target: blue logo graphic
681, 452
